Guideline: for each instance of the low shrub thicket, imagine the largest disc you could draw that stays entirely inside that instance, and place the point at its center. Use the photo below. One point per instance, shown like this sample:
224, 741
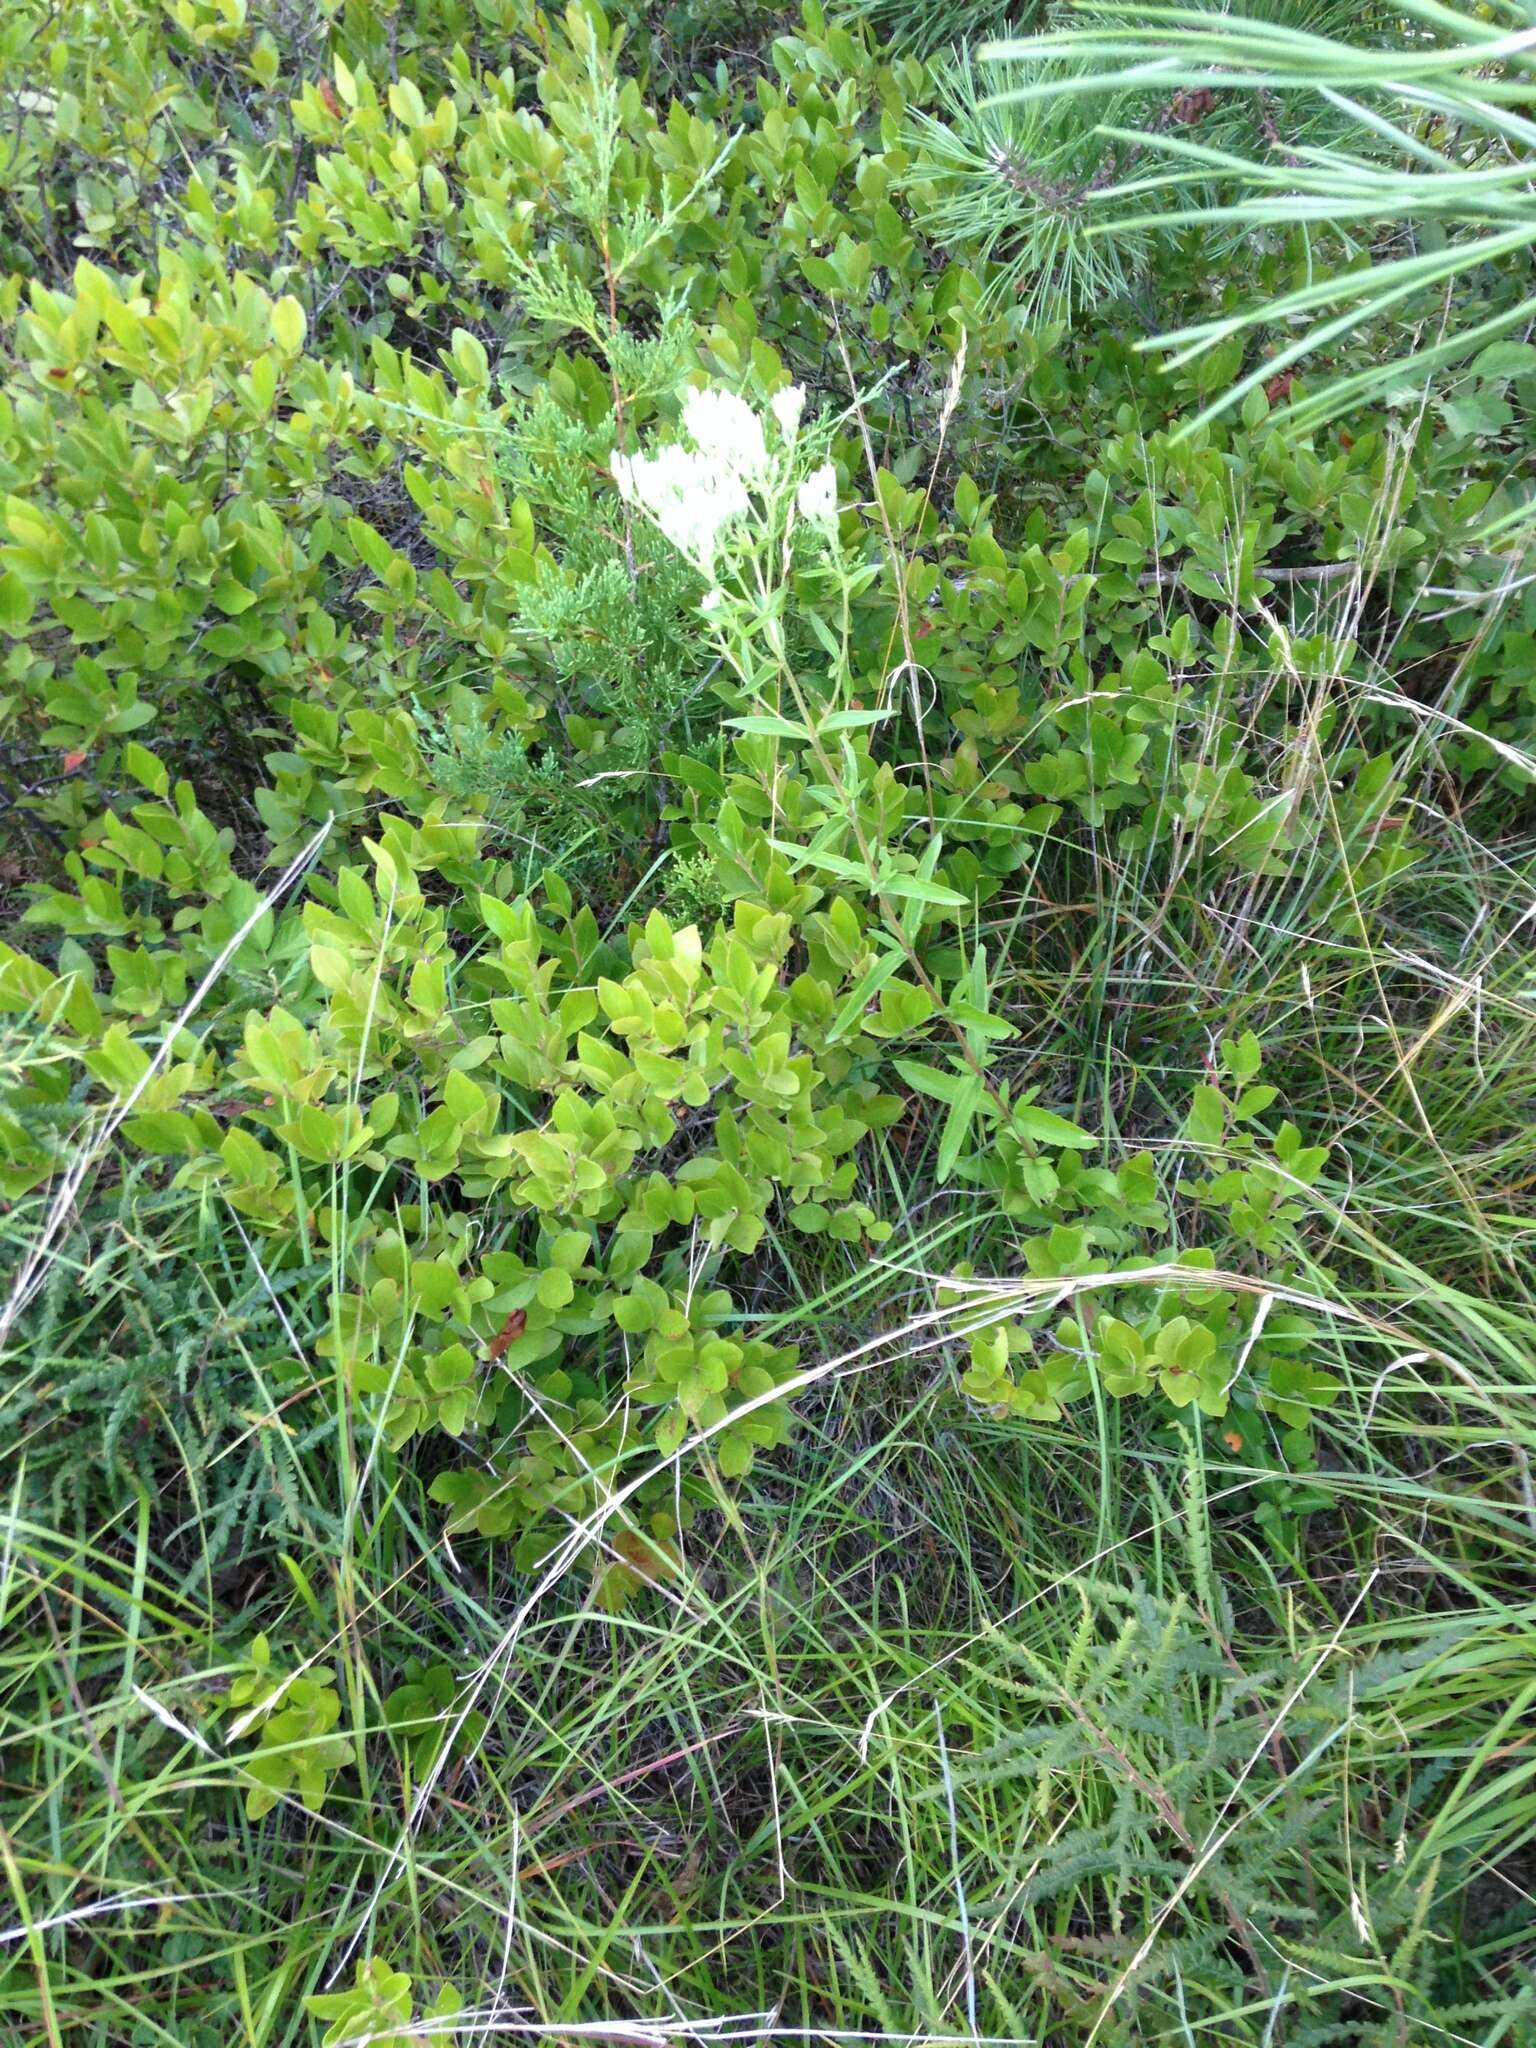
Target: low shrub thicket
649, 764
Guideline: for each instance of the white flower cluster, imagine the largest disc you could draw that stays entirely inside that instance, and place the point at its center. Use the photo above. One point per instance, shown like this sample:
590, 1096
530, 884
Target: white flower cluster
691, 499
816, 499
728, 436
697, 493
786, 407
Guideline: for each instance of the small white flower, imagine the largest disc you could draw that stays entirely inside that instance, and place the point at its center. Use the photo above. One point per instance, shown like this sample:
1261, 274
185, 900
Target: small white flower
690, 498
816, 499
787, 406
726, 430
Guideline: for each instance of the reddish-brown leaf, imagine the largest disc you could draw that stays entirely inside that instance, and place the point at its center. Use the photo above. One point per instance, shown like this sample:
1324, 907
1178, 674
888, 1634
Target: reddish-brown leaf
507, 1335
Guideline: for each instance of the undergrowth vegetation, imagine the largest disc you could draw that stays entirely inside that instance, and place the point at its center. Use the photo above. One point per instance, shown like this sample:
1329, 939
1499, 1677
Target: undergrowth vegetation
767, 1024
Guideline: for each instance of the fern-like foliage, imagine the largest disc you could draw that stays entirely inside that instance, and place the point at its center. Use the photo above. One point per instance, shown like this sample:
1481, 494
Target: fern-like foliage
1191, 1811
166, 1376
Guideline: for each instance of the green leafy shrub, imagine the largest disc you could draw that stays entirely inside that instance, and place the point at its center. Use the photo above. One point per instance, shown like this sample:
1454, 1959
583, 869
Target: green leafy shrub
701, 883
640, 1110
379, 2008
667, 750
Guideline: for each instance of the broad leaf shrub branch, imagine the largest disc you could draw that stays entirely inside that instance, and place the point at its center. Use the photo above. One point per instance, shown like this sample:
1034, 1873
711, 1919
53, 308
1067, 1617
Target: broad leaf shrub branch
643, 750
